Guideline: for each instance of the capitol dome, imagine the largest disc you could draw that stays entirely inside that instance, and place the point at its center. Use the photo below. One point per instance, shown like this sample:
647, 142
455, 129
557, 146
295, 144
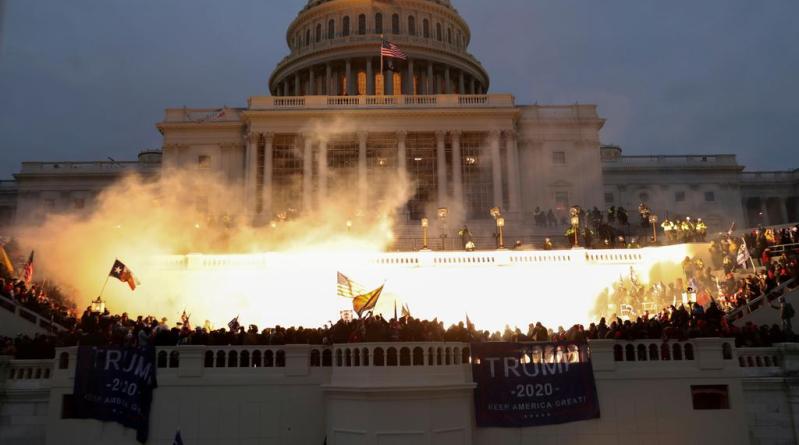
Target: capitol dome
335, 50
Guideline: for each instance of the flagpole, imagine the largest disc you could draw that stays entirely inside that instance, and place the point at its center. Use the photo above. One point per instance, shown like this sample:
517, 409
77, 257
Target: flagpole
103, 288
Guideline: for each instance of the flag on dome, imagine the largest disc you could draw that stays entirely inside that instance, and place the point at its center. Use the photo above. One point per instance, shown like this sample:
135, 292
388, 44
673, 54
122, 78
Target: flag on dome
367, 301
27, 271
122, 273
392, 51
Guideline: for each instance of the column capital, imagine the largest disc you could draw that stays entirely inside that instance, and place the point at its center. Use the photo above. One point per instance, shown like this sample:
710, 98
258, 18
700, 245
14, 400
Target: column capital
511, 134
269, 136
363, 136
456, 133
494, 134
252, 137
402, 135
440, 135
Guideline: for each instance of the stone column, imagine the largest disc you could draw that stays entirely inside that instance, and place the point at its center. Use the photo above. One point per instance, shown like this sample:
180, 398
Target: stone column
461, 83
286, 87
447, 86
512, 162
311, 82
297, 83
470, 86
402, 156
409, 80
370, 78
441, 159
474, 87
327, 80
307, 173
322, 169
431, 80
252, 171
388, 82
496, 167
362, 179
266, 203
348, 73
457, 167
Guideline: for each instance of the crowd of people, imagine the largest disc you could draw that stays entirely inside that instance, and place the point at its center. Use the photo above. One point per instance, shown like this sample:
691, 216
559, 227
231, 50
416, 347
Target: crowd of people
45, 301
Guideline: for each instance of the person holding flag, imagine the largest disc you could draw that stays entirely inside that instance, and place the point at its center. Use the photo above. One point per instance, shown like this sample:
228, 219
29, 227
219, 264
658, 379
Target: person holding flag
233, 325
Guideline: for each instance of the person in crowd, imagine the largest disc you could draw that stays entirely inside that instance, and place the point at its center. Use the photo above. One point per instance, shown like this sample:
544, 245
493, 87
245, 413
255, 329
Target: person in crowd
786, 315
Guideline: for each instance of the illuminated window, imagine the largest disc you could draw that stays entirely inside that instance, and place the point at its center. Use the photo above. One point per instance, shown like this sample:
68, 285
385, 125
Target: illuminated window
345, 26
559, 157
342, 161
379, 90
412, 25
204, 162
381, 163
397, 83
378, 23
361, 83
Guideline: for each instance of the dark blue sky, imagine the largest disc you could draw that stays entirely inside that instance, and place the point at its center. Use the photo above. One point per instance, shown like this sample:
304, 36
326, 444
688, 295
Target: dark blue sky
87, 79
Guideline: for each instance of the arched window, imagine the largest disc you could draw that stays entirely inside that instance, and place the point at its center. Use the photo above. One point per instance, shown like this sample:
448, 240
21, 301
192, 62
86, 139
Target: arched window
465, 356
458, 40
280, 359
345, 26
378, 359
256, 358
653, 352
161, 362
174, 359
449, 36
676, 351
438, 32
232, 359
378, 23
318, 32
629, 353
426, 28
391, 357
307, 37
244, 359
315, 360
327, 358
405, 357
220, 359
339, 360
395, 24
365, 357
347, 357
269, 358
331, 29
209, 359
63, 360
418, 356
641, 349
726, 351
689, 351
362, 24
412, 25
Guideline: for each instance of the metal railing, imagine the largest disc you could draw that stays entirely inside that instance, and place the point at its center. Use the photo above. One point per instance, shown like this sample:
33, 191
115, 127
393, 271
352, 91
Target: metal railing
755, 303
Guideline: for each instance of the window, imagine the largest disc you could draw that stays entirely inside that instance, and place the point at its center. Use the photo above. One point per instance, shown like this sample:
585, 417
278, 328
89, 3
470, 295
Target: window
438, 32
378, 23
204, 161
426, 28
561, 200
331, 29
710, 397
643, 197
608, 198
361, 83
559, 157
362, 24
412, 25
395, 24
307, 37
345, 26
679, 196
710, 196
449, 36
318, 32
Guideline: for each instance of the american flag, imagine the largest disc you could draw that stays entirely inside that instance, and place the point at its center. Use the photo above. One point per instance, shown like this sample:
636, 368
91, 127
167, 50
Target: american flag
392, 51
347, 288
27, 271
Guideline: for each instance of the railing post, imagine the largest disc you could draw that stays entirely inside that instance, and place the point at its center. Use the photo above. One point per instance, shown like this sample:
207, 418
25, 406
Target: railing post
191, 360
602, 355
297, 358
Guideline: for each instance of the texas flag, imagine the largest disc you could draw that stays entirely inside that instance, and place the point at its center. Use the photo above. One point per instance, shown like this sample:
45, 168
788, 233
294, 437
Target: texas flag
121, 272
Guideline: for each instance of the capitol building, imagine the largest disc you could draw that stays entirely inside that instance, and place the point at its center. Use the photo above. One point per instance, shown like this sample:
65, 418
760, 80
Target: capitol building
333, 120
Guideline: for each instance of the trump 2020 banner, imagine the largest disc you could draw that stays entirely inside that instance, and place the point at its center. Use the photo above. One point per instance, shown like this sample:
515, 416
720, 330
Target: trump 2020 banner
532, 384
116, 384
